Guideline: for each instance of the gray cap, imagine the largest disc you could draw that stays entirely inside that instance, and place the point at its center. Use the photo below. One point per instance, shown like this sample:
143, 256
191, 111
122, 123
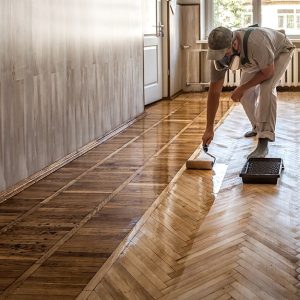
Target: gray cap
219, 40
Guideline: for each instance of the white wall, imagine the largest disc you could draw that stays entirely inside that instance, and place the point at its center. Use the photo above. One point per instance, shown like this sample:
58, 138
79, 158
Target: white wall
70, 72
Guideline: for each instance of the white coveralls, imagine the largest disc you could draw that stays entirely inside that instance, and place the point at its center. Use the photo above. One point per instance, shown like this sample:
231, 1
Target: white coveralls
265, 46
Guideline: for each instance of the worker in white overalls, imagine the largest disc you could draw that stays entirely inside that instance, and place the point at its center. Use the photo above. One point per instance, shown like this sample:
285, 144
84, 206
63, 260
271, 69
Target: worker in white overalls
263, 54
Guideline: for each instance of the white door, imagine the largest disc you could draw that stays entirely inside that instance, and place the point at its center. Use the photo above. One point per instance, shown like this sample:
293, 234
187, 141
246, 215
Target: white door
153, 32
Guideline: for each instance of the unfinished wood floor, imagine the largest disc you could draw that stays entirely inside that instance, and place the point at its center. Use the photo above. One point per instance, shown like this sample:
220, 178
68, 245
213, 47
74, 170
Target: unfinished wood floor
58, 233
242, 242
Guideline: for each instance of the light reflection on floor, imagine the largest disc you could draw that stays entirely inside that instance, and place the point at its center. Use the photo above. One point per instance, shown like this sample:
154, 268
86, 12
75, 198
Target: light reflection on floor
219, 171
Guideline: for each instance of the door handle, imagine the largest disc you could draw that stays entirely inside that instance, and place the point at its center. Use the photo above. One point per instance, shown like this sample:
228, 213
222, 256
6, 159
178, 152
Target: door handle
160, 30
161, 26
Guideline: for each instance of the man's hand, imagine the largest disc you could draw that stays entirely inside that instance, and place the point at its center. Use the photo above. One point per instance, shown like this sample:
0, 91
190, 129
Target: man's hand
207, 137
237, 94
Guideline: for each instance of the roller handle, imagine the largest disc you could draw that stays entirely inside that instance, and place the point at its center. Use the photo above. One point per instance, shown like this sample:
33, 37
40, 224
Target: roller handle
205, 149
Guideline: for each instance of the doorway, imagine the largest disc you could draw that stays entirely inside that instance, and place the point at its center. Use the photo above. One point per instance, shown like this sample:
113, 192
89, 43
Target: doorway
153, 34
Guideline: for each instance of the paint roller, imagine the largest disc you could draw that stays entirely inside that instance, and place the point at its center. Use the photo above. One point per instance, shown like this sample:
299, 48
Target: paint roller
202, 163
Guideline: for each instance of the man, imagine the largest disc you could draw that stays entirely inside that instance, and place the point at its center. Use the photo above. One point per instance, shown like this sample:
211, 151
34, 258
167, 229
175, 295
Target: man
263, 54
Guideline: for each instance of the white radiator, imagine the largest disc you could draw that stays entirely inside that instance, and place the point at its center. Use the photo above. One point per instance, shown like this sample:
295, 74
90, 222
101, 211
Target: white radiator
290, 77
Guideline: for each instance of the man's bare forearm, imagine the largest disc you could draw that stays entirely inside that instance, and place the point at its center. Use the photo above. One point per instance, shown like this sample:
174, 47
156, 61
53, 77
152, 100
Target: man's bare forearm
214, 92
259, 77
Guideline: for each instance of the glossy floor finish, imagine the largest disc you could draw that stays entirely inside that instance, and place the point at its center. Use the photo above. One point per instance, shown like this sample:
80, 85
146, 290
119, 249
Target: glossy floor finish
58, 233
212, 237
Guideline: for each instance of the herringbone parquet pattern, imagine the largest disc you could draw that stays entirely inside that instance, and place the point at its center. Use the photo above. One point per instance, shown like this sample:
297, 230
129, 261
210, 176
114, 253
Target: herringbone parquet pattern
241, 242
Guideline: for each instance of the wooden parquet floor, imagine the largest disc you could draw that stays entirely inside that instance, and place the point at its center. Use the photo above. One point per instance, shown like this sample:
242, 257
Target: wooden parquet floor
208, 236
57, 234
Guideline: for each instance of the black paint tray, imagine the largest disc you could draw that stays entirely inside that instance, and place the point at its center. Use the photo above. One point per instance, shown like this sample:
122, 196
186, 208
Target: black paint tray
262, 170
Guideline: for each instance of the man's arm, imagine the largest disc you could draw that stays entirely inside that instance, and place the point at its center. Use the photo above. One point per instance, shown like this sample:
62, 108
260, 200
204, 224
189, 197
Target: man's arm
258, 78
213, 98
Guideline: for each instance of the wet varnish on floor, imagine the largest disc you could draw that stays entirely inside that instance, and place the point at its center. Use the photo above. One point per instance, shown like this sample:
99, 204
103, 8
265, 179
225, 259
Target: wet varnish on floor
241, 243
57, 234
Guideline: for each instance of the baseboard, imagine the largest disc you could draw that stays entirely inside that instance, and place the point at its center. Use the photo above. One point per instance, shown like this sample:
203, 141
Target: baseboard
176, 95
20, 186
288, 88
